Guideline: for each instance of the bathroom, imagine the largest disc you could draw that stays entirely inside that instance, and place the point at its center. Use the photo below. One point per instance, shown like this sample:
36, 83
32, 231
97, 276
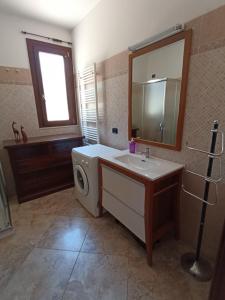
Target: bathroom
52, 247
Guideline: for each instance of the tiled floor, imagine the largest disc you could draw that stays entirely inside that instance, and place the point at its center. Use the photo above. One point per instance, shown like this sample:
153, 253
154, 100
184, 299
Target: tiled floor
58, 251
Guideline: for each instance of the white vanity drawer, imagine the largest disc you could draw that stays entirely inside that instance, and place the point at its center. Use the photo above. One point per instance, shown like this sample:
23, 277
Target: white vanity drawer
124, 214
127, 190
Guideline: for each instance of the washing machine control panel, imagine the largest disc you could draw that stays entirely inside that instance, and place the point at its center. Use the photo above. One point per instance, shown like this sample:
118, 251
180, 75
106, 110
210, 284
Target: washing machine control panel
84, 163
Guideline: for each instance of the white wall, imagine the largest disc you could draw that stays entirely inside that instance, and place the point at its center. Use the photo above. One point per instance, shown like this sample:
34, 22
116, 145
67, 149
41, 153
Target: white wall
113, 25
13, 50
163, 62
17, 101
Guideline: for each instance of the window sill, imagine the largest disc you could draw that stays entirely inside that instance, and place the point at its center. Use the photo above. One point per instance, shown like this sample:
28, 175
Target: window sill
58, 127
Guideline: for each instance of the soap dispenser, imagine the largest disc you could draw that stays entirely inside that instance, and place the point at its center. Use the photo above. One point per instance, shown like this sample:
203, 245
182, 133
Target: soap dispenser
132, 146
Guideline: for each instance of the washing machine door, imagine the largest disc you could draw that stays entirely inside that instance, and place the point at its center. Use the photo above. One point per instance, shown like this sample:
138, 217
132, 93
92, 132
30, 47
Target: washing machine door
81, 181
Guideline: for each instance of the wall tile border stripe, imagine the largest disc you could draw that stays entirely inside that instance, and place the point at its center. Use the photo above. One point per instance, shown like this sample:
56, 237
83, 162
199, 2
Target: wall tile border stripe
19, 76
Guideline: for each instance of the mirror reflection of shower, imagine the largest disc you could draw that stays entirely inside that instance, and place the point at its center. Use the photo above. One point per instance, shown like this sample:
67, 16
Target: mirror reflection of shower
156, 107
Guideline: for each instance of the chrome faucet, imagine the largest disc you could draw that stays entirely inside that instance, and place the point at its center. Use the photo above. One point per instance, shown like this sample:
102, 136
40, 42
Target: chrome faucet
146, 152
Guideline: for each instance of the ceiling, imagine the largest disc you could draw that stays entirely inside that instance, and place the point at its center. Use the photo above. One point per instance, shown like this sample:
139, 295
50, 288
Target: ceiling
65, 13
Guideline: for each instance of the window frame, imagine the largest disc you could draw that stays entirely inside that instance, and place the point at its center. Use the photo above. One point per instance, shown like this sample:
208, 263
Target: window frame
34, 47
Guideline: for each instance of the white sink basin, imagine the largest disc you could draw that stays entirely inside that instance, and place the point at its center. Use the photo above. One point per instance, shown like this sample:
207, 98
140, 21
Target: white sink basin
138, 161
151, 168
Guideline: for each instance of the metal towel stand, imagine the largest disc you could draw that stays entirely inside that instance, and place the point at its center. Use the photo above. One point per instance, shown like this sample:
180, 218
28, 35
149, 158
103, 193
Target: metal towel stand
191, 262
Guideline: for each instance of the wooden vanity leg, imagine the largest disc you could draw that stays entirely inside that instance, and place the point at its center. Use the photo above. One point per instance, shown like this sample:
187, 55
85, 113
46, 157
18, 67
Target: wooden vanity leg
177, 208
149, 222
100, 190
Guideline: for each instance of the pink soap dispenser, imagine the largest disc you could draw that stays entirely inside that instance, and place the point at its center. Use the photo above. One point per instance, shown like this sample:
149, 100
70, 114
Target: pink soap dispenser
132, 146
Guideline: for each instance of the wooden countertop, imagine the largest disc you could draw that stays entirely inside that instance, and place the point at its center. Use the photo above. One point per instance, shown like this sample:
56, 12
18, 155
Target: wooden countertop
42, 140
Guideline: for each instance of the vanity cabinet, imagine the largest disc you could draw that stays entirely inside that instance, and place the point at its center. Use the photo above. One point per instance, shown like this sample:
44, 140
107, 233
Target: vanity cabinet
124, 198
149, 209
42, 165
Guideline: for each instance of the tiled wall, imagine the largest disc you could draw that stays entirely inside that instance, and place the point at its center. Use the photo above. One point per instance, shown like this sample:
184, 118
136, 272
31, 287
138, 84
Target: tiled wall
205, 103
17, 104
112, 76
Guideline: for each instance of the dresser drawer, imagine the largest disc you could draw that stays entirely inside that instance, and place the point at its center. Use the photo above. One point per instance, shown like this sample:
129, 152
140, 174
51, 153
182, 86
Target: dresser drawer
64, 147
43, 163
127, 190
29, 151
45, 180
125, 215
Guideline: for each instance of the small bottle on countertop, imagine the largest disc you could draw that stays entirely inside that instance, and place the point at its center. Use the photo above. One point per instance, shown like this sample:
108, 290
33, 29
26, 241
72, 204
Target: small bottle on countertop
132, 146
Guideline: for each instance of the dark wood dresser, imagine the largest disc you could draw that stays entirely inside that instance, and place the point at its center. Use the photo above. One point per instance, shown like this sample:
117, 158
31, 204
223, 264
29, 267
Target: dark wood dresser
42, 165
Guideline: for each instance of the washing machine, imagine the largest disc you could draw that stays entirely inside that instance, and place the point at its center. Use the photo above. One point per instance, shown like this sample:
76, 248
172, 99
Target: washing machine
85, 167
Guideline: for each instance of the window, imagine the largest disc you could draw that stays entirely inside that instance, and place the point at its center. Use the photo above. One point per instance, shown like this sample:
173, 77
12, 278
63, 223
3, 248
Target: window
53, 81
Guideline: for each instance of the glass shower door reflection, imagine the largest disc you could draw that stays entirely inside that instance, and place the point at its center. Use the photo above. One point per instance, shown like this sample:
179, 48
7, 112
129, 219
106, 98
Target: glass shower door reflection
5, 221
154, 110
159, 102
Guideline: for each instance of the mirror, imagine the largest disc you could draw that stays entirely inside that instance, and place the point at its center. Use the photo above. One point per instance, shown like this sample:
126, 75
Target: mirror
157, 90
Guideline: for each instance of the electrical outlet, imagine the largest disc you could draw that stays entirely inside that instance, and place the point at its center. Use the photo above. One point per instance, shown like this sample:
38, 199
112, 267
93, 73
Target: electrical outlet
115, 130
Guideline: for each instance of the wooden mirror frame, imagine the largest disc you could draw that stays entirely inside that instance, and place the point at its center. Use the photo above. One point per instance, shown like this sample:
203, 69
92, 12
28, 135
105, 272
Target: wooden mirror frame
183, 35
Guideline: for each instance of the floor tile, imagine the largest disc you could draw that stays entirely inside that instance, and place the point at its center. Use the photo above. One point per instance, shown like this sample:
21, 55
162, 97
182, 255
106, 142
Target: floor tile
165, 280
147, 283
110, 237
62, 203
11, 257
65, 233
37, 260
98, 277
73, 208
42, 276
29, 230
